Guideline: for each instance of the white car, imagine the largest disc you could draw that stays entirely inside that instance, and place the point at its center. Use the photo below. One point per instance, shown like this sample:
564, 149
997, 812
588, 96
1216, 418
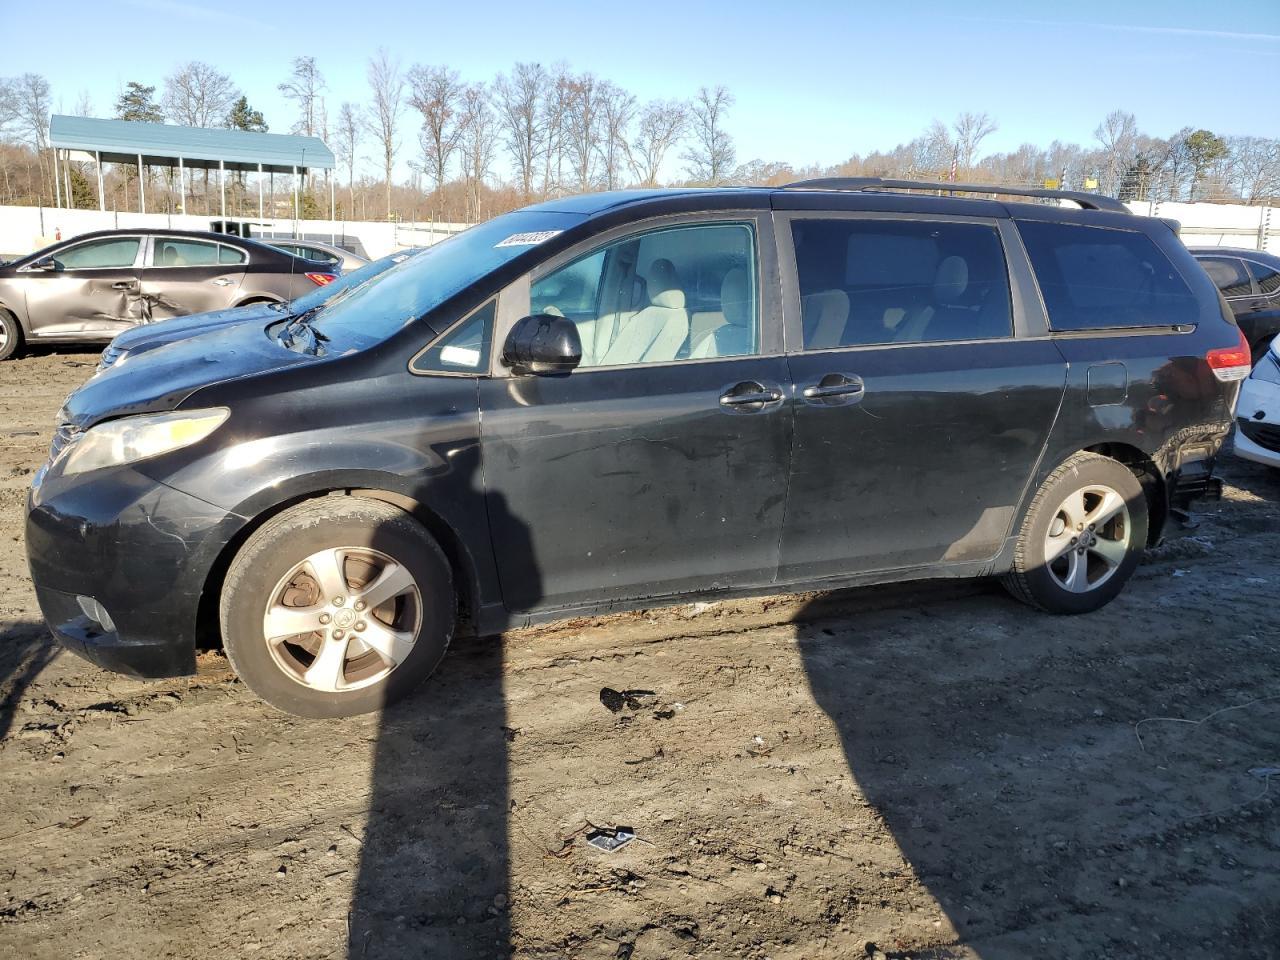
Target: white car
1257, 435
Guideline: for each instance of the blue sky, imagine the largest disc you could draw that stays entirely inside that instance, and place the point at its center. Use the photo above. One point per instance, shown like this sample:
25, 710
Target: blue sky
814, 81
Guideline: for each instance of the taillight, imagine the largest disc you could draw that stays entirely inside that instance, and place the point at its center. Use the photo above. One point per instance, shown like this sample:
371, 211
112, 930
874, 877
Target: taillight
1231, 363
320, 279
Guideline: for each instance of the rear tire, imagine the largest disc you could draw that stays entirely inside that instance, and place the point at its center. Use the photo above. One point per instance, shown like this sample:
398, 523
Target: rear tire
10, 335
337, 607
1082, 537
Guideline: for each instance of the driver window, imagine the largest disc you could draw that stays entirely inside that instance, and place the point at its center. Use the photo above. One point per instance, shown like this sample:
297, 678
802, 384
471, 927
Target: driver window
685, 293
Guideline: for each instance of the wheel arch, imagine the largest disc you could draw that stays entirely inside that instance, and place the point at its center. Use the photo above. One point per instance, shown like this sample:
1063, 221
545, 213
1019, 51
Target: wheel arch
461, 563
257, 298
1154, 485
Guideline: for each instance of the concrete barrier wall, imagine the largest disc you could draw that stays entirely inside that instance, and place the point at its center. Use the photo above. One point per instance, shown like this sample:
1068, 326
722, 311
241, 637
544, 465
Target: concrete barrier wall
24, 229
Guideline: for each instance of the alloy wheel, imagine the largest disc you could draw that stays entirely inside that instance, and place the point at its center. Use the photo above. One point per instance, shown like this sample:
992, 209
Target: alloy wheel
1088, 538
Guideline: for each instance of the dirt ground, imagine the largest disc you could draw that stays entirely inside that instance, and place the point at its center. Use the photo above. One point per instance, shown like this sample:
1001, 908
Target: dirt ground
922, 771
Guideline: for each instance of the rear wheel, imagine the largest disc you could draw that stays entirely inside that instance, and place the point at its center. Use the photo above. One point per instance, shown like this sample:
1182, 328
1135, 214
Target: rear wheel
1082, 538
10, 335
337, 607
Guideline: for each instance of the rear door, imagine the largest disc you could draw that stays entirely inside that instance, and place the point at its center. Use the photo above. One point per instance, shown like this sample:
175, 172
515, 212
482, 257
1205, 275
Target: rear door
184, 276
921, 408
92, 290
654, 468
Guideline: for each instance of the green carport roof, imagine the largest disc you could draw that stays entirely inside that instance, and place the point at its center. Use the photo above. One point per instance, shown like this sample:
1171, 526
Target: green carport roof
163, 144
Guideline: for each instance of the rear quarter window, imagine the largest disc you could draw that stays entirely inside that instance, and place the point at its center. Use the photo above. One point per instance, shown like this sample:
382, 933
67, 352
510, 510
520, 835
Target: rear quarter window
1095, 278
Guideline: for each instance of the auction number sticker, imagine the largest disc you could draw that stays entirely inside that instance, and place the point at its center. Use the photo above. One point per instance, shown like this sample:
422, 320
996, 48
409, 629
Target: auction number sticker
528, 239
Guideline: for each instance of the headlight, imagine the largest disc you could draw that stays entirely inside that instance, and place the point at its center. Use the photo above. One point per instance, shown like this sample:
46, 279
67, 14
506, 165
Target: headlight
123, 441
1268, 369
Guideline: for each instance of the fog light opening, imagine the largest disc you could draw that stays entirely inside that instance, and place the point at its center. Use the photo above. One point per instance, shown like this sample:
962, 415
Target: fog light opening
96, 612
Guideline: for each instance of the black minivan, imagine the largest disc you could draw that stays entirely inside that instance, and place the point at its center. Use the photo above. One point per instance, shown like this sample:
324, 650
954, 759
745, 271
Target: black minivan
617, 400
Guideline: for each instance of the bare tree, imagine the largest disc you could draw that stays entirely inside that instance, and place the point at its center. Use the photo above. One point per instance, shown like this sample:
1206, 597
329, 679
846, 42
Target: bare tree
347, 141
1255, 167
583, 123
971, 129
518, 99
197, 95
387, 83
303, 88
555, 111
659, 128
436, 93
478, 141
617, 111
711, 155
1117, 135
33, 120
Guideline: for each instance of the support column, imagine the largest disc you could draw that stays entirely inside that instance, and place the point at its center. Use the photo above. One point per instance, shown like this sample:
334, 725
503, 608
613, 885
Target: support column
66, 180
261, 217
102, 196
182, 188
222, 189
57, 181
333, 214
142, 190
295, 201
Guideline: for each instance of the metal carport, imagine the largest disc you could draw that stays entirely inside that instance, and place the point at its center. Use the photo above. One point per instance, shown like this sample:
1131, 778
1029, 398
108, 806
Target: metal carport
198, 148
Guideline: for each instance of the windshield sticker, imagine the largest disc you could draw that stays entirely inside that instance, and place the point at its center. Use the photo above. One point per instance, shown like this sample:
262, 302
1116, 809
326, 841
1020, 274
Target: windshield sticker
527, 239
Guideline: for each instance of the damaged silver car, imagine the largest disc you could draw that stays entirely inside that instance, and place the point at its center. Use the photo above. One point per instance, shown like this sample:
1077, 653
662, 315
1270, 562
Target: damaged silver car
92, 287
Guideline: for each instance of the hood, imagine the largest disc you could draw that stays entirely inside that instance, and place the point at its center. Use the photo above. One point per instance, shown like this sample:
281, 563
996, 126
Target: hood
148, 336
162, 377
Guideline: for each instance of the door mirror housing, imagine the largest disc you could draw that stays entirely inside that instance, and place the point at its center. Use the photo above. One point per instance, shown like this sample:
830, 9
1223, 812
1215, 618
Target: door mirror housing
44, 265
543, 344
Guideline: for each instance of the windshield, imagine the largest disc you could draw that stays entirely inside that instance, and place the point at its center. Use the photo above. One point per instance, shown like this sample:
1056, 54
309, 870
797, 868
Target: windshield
309, 301
373, 311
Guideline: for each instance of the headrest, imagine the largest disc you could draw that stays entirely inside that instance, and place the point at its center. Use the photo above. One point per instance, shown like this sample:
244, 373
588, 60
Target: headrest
831, 305
662, 276
668, 298
951, 280
735, 298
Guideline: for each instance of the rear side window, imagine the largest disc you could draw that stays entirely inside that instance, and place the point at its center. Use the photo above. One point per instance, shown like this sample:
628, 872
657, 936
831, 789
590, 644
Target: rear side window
184, 253
231, 255
1268, 278
877, 281
1228, 275
1095, 278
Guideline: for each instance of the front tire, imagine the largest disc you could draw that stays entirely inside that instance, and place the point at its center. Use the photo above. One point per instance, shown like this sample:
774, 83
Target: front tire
10, 335
1082, 537
337, 607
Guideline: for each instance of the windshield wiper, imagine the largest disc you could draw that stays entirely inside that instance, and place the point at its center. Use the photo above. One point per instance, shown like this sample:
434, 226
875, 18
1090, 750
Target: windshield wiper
298, 334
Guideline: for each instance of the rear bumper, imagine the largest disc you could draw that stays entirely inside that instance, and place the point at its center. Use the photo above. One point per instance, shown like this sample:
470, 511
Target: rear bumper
140, 550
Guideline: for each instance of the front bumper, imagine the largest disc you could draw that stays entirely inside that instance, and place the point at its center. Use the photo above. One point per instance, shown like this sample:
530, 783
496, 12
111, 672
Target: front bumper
1257, 435
142, 550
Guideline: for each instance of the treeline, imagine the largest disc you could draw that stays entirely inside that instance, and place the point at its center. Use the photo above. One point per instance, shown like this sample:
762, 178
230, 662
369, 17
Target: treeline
475, 148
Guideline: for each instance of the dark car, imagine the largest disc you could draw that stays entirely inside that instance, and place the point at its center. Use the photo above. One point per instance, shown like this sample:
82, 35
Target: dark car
1250, 280
90, 288
144, 337
618, 400
335, 256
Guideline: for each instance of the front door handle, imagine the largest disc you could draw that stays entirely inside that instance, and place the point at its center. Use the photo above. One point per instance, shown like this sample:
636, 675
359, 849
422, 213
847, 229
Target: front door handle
751, 395
125, 285
834, 389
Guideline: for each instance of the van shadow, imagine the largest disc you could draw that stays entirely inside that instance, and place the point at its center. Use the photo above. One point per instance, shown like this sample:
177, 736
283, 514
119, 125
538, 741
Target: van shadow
25, 650
996, 744
434, 871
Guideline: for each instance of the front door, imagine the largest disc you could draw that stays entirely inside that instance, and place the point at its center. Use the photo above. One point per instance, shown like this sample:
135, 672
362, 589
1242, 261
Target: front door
659, 466
91, 290
184, 276
919, 417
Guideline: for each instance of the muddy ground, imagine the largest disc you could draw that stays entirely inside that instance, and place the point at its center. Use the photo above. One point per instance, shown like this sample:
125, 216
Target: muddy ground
928, 771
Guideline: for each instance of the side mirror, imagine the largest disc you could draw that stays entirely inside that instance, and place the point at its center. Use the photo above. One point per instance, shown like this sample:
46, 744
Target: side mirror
44, 265
543, 344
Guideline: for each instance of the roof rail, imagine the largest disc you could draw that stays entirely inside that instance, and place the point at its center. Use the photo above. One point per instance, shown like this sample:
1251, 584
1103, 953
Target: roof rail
1089, 201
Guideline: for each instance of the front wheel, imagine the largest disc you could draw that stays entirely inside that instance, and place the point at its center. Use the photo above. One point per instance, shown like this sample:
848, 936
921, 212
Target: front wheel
337, 607
10, 335
1082, 538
